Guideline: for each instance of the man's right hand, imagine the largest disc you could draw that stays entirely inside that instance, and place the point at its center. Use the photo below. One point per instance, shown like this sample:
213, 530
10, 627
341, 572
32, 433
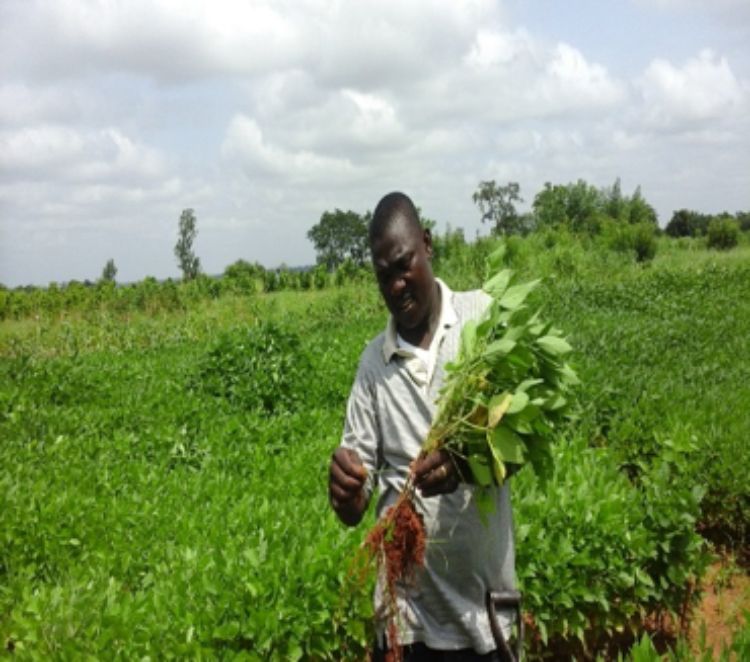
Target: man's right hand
346, 481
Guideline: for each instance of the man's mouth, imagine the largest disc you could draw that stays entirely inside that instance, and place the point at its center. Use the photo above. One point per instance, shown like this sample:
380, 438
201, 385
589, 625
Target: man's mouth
405, 303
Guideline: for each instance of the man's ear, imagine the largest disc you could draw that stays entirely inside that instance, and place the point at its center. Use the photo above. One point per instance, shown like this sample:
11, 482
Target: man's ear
427, 238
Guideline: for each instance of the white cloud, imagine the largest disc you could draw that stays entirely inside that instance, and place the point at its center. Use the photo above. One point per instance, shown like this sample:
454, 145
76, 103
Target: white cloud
492, 48
65, 153
344, 43
375, 120
168, 39
506, 77
576, 83
245, 143
704, 88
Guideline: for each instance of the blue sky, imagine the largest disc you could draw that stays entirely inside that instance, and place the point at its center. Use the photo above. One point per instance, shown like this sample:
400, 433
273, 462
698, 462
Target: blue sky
115, 116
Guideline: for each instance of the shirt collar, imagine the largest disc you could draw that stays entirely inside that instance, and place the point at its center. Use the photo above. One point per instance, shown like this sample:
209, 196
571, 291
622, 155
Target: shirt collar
448, 318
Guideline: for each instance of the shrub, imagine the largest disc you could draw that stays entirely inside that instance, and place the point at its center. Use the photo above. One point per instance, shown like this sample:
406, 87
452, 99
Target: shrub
723, 233
644, 242
261, 368
597, 551
639, 239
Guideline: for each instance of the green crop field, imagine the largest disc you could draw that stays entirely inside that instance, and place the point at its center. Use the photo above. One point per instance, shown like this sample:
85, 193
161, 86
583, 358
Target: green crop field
164, 471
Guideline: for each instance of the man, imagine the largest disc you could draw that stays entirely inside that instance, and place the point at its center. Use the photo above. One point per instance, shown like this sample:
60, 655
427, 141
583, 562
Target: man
443, 615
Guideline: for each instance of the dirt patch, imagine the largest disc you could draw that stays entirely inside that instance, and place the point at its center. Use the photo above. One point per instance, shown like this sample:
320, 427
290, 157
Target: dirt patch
726, 596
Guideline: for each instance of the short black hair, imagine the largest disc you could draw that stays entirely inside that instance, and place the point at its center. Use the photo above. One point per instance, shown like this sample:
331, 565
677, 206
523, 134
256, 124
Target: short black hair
393, 207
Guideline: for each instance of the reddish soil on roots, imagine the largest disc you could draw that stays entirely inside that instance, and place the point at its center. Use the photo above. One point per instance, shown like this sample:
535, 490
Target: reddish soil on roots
397, 543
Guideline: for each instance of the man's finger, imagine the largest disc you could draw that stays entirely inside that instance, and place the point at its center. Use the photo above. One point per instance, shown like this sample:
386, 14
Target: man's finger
341, 495
428, 464
437, 476
349, 462
347, 481
442, 480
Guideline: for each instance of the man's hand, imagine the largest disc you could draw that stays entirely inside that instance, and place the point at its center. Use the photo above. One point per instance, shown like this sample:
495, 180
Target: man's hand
346, 480
436, 473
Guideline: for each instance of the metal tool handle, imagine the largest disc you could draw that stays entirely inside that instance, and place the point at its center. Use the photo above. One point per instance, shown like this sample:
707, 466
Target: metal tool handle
505, 600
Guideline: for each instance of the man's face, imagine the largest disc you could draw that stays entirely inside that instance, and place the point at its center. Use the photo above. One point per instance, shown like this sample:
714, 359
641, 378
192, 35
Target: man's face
402, 266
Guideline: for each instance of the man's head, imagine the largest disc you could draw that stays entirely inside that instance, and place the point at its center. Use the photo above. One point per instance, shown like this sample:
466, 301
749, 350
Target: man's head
401, 252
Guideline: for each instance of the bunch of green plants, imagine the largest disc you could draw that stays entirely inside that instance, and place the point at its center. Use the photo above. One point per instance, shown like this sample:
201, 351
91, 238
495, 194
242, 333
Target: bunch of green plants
141, 518
737, 648
509, 387
660, 358
260, 367
723, 233
597, 553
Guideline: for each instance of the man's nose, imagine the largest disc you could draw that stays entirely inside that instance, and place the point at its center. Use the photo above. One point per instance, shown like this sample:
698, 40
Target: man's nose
397, 286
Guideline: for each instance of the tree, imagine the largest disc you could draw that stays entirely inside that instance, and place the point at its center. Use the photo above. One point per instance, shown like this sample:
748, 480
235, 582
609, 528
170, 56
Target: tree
615, 204
577, 206
640, 211
723, 232
190, 264
687, 223
340, 235
109, 272
743, 220
497, 205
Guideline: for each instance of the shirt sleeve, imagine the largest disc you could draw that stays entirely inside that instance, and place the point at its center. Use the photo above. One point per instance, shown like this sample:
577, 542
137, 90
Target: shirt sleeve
361, 429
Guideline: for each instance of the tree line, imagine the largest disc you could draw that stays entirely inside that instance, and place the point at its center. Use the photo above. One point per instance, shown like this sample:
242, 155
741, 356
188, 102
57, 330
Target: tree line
628, 223
578, 207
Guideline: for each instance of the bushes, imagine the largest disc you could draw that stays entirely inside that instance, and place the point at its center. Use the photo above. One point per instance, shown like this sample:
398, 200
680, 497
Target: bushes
723, 233
597, 552
257, 368
639, 239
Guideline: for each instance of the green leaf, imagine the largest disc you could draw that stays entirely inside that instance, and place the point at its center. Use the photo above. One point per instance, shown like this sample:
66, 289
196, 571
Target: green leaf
526, 384
569, 376
516, 295
498, 467
519, 422
498, 406
480, 469
498, 284
495, 259
520, 400
468, 337
555, 402
554, 345
508, 444
501, 347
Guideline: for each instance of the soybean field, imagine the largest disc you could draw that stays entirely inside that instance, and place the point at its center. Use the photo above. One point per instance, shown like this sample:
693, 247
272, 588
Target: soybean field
163, 473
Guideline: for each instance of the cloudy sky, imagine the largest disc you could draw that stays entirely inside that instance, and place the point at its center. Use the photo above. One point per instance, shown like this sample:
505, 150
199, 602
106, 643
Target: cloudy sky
115, 115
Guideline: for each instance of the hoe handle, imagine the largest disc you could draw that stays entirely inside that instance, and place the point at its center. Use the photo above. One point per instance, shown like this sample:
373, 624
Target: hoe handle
505, 600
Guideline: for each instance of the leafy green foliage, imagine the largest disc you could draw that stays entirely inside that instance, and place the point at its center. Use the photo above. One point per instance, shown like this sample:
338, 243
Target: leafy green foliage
497, 204
638, 239
141, 518
189, 262
109, 272
260, 368
723, 233
340, 235
507, 389
582, 208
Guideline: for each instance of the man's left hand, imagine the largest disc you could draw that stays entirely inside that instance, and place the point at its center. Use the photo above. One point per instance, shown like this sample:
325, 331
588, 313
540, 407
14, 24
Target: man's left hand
435, 473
